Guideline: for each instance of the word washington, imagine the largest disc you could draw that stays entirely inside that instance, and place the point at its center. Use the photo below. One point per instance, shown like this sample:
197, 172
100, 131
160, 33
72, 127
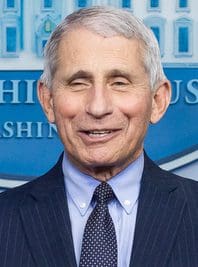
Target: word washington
28, 129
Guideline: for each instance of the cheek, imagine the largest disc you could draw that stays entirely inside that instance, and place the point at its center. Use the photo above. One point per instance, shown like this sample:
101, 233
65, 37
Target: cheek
135, 108
66, 110
138, 112
66, 107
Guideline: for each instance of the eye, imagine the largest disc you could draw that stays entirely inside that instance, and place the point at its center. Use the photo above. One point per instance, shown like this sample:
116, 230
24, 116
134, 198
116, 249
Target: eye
119, 82
79, 84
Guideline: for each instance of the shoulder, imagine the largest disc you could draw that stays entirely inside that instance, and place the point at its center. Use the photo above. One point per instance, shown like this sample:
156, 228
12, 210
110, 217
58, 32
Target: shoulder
162, 177
13, 198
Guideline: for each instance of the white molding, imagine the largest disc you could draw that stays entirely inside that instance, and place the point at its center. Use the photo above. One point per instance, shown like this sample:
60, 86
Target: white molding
6, 183
181, 161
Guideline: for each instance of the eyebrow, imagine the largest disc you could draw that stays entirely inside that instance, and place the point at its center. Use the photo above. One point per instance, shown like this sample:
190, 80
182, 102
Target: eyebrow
119, 73
81, 74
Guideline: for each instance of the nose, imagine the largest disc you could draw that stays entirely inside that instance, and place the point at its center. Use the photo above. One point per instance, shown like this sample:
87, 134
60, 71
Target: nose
99, 103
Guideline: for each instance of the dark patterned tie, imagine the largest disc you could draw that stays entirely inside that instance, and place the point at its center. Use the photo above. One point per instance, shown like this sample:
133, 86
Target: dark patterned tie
99, 247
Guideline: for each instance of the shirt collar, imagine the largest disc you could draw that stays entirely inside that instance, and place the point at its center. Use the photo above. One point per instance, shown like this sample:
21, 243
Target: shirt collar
79, 186
126, 185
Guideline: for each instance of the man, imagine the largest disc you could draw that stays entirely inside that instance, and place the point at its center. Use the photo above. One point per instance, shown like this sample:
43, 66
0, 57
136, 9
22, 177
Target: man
102, 85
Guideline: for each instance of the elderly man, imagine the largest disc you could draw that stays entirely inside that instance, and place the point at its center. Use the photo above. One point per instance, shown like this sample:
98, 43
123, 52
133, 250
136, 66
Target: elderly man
105, 203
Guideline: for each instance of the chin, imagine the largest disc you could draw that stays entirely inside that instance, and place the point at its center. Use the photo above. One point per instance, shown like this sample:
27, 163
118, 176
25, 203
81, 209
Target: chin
101, 161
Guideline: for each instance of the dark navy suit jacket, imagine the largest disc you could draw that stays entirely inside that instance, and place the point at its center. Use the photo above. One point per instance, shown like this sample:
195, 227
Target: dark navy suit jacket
35, 229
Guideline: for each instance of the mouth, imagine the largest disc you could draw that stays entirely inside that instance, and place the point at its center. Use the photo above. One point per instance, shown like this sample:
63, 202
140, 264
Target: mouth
98, 136
98, 133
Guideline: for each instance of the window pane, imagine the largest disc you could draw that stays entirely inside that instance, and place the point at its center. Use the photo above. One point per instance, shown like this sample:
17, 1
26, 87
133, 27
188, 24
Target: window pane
82, 3
154, 3
183, 3
126, 3
47, 3
44, 43
183, 39
156, 31
48, 26
11, 39
10, 3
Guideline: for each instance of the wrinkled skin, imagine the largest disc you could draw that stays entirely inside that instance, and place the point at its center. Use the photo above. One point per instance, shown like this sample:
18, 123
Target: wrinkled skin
101, 101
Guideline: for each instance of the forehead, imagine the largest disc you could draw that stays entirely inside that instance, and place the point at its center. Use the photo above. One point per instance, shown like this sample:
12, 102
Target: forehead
81, 46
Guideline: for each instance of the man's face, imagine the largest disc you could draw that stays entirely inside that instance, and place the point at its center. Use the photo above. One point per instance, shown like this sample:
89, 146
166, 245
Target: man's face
101, 101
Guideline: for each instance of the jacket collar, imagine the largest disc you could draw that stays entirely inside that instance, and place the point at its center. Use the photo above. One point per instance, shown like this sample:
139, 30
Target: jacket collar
45, 218
160, 209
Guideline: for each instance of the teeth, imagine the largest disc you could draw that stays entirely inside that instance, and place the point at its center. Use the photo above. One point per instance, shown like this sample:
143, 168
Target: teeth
99, 133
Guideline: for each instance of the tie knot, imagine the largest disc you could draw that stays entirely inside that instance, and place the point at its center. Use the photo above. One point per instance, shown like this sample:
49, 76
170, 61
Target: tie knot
103, 193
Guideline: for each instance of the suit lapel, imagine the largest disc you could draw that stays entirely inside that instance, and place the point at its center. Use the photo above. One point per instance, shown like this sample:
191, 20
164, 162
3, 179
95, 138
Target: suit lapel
161, 205
45, 218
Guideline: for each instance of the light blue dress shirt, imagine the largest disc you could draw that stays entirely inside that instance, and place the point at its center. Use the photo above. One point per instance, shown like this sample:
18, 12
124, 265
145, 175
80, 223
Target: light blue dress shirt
123, 210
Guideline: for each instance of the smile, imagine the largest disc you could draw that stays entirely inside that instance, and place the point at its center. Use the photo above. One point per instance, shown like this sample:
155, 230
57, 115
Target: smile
98, 136
98, 133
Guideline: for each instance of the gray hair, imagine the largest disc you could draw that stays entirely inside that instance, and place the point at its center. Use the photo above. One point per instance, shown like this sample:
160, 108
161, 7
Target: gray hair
107, 22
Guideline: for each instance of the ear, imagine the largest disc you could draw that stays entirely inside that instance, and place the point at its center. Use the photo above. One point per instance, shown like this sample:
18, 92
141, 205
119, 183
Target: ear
161, 100
46, 100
